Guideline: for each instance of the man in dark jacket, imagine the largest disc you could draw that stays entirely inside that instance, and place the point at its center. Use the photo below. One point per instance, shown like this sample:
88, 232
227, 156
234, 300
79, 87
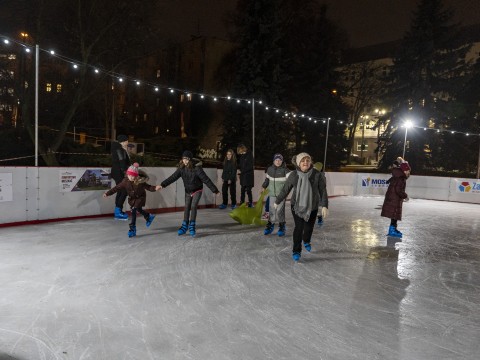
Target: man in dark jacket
120, 164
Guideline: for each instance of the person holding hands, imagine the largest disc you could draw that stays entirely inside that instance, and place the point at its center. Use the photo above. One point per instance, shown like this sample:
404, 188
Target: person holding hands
135, 185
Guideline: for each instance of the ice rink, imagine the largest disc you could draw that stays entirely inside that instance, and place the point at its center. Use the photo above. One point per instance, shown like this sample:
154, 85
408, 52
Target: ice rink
83, 290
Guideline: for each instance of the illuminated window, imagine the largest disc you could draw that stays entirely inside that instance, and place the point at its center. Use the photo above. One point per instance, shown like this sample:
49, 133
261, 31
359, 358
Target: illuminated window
48, 87
59, 88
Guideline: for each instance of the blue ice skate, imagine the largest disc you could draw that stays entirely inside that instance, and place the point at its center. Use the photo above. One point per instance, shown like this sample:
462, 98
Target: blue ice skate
150, 220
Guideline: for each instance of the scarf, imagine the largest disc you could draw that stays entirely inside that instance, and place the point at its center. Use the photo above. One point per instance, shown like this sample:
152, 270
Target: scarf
303, 195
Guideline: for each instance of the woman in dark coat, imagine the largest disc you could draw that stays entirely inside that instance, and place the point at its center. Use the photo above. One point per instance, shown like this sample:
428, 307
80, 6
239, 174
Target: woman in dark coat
229, 177
246, 173
193, 178
392, 205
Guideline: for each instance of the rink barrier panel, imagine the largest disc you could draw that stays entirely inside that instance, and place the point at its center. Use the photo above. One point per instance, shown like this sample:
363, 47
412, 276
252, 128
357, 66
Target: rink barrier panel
37, 197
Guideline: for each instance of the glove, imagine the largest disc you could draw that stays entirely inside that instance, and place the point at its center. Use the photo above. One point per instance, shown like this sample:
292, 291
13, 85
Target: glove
275, 206
406, 199
324, 212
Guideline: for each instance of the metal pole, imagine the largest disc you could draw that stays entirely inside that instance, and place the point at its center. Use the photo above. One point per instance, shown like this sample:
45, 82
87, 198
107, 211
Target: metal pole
36, 103
253, 128
362, 146
326, 142
405, 142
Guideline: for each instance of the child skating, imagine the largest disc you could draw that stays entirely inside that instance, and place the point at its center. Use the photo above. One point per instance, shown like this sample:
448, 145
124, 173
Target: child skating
193, 178
135, 184
276, 175
394, 197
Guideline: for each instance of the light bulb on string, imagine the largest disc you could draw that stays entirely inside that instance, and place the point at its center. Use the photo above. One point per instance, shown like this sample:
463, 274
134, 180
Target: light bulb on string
137, 82
120, 79
156, 89
52, 52
228, 97
6, 41
202, 96
214, 99
238, 101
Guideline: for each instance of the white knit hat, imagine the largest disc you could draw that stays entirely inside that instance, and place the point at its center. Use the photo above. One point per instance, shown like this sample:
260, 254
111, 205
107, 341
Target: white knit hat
300, 156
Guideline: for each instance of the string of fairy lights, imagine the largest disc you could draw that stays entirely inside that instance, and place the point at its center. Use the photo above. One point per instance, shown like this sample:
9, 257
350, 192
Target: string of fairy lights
259, 104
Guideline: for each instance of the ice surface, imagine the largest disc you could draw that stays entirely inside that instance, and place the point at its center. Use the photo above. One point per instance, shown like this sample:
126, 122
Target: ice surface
83, 290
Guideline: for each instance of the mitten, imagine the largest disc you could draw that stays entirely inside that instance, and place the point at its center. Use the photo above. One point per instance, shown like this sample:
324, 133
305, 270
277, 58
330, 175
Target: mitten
324, 212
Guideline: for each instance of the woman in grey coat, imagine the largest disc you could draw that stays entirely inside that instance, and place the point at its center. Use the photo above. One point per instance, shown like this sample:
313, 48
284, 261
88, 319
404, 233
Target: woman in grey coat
308, 197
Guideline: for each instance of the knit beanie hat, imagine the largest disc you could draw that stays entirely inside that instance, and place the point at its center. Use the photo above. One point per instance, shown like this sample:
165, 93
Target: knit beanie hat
300, 157
122, 138
405, 166
277, 156
187, 154
133, 170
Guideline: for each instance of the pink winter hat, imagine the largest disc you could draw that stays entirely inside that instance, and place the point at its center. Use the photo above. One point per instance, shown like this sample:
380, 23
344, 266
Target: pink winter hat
133, 170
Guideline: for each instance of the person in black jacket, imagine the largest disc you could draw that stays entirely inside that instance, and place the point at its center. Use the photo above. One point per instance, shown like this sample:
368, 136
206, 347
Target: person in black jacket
246, 172
120, 164
193, 178
229, 177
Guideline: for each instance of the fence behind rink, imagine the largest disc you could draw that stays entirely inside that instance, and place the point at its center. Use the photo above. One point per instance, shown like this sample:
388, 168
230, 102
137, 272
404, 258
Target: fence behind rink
33, 194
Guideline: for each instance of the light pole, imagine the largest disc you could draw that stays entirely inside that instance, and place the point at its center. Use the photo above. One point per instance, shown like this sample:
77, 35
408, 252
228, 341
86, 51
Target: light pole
326, 143
362, 146
408, 124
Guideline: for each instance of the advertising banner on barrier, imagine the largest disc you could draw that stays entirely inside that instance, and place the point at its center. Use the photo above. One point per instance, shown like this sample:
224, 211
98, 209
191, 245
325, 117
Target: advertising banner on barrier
6, 190
84, 180
368, 181
467, 186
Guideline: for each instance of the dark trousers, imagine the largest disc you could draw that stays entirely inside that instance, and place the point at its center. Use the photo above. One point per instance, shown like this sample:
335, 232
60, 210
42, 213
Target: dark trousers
191, 203
134, 215
303, 230
121, 194
233, 192
248, 190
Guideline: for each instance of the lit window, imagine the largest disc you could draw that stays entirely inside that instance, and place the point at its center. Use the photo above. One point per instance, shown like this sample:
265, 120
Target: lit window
59, 88
48, 87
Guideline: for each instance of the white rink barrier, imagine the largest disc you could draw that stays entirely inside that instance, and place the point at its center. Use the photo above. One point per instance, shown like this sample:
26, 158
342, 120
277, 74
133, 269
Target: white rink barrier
29, 194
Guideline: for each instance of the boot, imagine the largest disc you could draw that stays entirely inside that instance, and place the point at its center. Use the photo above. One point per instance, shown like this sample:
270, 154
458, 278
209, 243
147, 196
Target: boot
281, 229
392, 231
183, 228
222, 206
250, 204
320, 220
269, 228
308, 247
133, 231
119, 214
149, 220
191, 228
296, 256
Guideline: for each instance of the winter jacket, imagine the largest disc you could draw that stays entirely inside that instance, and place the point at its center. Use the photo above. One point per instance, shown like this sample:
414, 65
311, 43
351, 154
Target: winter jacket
136, 190
193, 178
392, 205
276, 178
229, 171
120, 162
246, 169
319, 189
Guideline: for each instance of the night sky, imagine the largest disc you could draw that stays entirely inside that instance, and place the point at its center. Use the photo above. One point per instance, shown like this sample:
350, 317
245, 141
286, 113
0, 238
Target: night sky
367, 22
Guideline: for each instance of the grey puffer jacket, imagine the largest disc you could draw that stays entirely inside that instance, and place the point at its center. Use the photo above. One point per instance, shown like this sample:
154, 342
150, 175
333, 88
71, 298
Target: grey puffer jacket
319, 189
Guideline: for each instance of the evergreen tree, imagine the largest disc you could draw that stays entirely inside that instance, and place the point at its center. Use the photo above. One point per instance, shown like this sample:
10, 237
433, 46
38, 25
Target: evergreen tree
428, 73
285, 58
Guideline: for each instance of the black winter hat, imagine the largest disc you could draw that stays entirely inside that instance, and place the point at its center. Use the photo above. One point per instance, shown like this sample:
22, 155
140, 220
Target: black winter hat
187, 154
122, 138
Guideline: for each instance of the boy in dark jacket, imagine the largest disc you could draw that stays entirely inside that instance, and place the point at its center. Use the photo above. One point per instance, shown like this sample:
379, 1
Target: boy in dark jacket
193, 179
229, 177
246, 173
135, 185
276, 176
